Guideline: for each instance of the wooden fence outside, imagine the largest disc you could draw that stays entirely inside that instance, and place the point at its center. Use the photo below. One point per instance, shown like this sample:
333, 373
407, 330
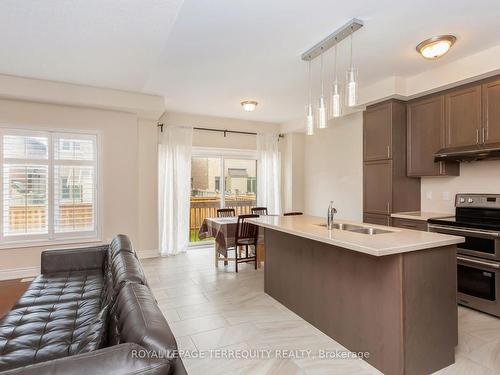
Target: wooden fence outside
34, 216
203, 207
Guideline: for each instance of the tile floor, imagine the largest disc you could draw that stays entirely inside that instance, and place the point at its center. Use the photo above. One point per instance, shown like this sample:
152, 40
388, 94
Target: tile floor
210, 309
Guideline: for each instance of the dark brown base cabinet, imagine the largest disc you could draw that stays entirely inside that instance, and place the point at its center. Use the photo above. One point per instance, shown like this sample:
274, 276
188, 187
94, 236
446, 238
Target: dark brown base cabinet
409, 224
370, 304
377, 219
386, 186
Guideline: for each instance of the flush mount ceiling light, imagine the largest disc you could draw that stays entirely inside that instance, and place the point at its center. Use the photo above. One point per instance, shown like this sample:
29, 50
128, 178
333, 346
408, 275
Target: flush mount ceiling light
249, 105
436, 46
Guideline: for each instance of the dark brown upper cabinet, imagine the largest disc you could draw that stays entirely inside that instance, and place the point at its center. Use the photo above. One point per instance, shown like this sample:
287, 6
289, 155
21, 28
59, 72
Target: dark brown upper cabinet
463, 116
377, 125
425, 136
491, 112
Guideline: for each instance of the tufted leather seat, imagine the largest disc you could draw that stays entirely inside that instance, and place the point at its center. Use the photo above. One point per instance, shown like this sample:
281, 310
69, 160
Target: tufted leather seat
63, 287
39, 333
49, 321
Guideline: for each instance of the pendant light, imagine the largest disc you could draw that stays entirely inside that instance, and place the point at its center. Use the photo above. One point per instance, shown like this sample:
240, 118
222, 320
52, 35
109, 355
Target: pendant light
351, 92
309, 108
322, 105
335, 100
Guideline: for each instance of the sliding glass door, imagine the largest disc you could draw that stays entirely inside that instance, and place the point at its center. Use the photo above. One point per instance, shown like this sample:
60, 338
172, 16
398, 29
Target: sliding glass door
240, 178
220, 178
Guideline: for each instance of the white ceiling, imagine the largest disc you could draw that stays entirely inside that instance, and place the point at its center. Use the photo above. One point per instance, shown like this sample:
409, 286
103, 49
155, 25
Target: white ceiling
205, 56
107, 43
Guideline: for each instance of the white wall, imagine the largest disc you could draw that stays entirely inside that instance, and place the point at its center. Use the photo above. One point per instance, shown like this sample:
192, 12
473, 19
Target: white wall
213, 139
475, 177
333, 169
292, 176
120, 167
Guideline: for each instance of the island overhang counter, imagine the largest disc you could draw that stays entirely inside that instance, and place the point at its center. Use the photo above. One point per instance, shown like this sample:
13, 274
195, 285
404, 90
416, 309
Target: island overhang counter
392, 294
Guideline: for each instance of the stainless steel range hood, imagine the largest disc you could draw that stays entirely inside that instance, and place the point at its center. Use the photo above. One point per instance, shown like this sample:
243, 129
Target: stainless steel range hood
468, 153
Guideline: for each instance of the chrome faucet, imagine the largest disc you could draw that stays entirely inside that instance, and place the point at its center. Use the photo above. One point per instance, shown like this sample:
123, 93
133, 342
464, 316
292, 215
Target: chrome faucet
329, 218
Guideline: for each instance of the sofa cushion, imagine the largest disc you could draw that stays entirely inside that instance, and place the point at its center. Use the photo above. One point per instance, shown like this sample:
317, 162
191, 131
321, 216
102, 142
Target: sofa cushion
126, 268
62, 287
120, 359
140, 320
95, 335
40, 333
120, 243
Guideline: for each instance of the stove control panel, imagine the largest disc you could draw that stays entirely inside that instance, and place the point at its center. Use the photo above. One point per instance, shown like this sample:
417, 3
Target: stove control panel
478, 200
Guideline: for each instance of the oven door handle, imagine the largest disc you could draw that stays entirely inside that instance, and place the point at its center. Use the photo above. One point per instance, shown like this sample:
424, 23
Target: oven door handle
458, 231
479, 262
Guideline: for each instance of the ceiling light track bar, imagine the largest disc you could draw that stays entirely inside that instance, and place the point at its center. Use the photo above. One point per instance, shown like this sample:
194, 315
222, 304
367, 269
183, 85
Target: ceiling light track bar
336, 37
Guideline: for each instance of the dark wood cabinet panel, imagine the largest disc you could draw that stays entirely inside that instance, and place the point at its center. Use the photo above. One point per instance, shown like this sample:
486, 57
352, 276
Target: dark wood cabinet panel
378, 187
409, 224
463, 116
377, 125
491, 112
377, 219
425, 136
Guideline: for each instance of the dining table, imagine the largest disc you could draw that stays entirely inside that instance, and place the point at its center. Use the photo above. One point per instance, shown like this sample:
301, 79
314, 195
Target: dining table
223, 230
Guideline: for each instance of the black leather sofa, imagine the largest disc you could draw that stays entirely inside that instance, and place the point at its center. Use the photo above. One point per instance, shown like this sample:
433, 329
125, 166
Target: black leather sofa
90, 311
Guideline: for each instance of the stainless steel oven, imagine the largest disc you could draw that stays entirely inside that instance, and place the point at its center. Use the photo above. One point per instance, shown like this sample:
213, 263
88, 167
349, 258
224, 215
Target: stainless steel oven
477, 218
478, 242
478, 284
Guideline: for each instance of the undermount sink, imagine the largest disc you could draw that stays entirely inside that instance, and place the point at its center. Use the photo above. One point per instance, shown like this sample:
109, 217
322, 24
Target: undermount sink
370, 231
357, 228
342, 226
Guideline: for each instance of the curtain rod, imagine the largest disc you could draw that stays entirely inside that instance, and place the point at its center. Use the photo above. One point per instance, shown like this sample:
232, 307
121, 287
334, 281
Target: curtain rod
225, 131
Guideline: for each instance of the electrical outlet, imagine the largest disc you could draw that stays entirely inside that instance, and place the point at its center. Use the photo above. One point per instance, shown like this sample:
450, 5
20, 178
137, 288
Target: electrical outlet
446, 195
428, 195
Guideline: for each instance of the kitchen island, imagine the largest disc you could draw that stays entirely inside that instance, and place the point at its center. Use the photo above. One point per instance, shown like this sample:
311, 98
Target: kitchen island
387, 291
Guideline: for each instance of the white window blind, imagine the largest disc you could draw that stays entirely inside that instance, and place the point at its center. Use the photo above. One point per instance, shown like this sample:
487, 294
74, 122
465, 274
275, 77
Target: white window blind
48, 185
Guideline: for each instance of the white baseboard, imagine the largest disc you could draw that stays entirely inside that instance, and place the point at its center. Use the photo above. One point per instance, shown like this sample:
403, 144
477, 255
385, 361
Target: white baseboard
19, 273
144, 254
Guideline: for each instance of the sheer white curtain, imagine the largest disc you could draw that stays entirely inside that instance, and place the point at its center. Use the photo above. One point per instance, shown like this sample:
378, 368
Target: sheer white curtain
268, 173
174, 180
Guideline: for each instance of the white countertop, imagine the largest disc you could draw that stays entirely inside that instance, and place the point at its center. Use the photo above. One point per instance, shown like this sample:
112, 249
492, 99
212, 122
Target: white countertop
419, 215
396, 242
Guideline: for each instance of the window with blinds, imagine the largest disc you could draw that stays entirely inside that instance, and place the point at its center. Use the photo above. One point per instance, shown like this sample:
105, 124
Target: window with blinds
48, 185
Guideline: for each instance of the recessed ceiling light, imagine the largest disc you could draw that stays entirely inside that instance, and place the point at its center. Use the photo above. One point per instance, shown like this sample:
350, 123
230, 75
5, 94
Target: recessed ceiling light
436, 46
249, 105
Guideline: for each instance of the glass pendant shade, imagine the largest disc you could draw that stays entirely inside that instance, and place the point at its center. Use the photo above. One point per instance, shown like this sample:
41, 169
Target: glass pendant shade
351, 87
309, 120
335, 101
322, 113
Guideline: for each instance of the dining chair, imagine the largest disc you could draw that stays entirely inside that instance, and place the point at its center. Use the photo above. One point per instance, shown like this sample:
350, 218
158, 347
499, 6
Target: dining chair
293, 213
226, 212
259, 210
247, 235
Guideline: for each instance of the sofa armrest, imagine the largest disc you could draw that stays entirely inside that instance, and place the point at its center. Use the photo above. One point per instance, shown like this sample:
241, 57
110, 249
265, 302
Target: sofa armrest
65, 260
123, 359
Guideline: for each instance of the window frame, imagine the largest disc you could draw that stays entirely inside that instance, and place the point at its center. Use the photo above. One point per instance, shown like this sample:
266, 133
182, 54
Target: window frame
51, 237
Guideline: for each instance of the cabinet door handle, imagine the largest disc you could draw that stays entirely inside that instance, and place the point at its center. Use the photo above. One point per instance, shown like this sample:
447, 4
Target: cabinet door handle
388, 208
388, 152
485, 134
477, 135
